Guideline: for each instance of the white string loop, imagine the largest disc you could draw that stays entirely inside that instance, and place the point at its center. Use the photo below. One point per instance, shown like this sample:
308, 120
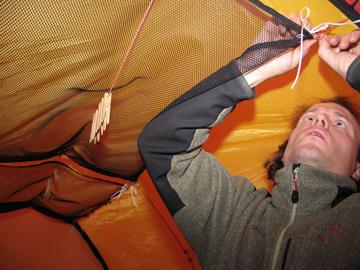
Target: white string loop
314, 30
302, 19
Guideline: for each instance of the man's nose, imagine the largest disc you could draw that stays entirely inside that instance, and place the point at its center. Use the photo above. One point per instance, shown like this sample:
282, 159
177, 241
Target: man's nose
321, 120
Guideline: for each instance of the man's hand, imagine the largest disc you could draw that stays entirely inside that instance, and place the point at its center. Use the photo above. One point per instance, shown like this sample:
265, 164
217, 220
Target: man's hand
282, 63
340, 51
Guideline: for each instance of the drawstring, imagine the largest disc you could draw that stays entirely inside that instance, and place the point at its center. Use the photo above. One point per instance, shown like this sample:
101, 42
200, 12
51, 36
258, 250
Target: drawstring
101, 117
301, 43
319, 28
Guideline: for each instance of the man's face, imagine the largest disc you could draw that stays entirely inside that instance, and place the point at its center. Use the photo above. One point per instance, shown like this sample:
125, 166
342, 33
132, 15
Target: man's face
326, 136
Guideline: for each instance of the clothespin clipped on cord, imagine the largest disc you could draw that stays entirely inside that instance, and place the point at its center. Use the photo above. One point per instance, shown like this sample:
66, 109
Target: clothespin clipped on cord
101, 118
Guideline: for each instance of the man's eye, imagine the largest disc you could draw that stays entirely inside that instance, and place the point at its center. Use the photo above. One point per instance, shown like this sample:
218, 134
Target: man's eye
340, 123
309, 118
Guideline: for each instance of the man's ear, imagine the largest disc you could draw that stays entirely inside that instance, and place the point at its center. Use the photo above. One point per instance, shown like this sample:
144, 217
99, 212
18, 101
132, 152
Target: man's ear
356, 174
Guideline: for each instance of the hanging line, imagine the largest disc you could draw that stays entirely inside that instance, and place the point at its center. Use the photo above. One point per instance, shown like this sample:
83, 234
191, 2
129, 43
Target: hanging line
101, 117
319, 28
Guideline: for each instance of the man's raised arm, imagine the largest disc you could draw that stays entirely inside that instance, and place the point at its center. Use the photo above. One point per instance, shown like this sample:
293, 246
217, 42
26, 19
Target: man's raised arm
196, 188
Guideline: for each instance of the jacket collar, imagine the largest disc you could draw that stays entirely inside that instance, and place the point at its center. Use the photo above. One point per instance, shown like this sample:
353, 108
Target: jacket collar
318, 189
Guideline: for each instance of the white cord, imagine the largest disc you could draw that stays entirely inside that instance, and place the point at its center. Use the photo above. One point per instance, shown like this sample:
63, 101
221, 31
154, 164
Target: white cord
323, 26
302, 18
316, 29
133, 191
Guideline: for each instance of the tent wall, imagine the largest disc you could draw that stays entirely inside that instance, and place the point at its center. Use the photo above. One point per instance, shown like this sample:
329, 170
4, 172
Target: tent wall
135, 231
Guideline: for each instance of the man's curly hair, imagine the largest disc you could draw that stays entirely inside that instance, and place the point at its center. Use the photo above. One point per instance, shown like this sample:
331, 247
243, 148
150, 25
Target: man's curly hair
274, 163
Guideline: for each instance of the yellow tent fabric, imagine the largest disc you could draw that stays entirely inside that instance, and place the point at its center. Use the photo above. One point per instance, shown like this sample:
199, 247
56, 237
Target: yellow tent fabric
129, 236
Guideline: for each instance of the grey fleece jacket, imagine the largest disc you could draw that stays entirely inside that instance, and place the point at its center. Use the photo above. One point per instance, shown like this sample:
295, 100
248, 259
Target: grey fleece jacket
311, 221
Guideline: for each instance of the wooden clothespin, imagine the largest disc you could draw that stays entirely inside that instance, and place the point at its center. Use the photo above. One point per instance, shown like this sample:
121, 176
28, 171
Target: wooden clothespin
101, 118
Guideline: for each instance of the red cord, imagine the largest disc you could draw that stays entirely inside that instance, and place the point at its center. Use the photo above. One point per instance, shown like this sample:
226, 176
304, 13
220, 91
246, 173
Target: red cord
132, 43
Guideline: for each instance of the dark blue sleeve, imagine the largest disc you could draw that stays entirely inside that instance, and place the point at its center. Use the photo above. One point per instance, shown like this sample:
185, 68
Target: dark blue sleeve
183, 127
353, 74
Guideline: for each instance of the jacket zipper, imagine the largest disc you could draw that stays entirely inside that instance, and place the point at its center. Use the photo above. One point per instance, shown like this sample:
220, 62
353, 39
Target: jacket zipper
286, 253
294, 200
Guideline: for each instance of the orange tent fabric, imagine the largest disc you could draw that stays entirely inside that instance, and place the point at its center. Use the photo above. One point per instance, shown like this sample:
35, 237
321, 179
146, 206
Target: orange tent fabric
81, 56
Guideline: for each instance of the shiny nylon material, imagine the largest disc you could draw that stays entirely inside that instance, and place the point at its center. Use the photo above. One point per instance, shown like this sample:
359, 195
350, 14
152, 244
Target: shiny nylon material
55, 186
50, 50
57, 63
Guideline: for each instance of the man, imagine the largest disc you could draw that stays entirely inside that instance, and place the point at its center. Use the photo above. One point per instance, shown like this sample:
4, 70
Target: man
302, 225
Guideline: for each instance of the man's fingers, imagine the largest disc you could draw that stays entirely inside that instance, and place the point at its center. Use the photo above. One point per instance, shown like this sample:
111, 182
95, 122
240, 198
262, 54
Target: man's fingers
324, 42
325, 50
354, 36
308, 44
334, 41
344, 43
339, 51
